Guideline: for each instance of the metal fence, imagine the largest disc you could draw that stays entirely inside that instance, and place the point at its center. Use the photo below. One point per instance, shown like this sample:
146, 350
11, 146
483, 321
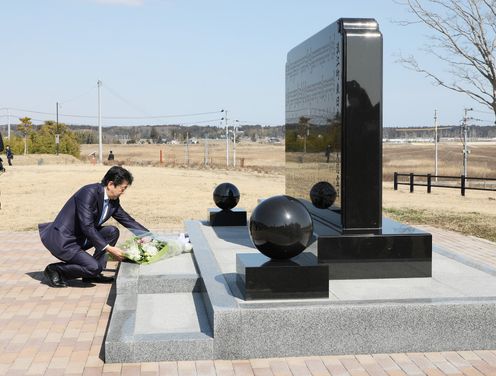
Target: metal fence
461, 182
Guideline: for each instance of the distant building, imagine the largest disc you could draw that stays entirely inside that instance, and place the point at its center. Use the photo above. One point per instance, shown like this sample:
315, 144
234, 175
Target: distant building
193, 140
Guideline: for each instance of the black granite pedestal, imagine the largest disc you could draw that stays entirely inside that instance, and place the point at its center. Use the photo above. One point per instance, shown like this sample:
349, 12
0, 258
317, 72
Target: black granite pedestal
301, 277
399, 251
233, 217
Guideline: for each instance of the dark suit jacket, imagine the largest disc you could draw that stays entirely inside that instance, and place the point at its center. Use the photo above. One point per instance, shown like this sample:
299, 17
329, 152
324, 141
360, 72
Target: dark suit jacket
78, 222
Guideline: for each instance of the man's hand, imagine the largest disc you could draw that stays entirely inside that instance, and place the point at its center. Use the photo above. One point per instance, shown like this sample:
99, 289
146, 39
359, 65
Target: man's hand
117, 253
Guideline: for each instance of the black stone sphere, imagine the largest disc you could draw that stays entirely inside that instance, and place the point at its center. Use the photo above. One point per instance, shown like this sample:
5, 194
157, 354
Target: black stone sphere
281, 227
323, 195
226, 196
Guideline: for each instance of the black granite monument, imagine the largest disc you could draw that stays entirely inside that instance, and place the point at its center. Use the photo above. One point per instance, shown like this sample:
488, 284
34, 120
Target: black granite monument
334, 135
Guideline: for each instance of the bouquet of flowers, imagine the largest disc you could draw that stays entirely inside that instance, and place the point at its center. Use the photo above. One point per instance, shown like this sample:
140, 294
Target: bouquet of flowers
148, 248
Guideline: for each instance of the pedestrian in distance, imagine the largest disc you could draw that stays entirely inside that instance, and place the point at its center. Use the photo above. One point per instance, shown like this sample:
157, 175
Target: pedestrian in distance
328, 153
10, 155
111, 156
2, 169
79, 227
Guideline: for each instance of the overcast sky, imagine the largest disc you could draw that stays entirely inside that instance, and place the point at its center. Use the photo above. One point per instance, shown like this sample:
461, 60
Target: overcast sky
157, 58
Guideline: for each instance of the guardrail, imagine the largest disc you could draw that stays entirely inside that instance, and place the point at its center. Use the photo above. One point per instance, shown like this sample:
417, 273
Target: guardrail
429, 184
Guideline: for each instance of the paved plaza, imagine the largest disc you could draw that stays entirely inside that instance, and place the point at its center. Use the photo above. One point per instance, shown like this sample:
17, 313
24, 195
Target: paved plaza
46, 331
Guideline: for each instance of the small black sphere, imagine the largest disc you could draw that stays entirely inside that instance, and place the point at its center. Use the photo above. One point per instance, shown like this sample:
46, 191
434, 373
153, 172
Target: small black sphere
226, 196
323, 195
281, 227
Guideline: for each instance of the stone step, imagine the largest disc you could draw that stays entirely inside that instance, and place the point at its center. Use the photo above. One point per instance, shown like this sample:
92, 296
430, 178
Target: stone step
158, 327
176, 274
159, 313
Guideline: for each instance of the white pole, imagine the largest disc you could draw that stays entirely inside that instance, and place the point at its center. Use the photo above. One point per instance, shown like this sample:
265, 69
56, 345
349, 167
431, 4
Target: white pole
187, 149
8, 122
206, 151
227, 143
435, 141
234, 143
100, 146
465, 147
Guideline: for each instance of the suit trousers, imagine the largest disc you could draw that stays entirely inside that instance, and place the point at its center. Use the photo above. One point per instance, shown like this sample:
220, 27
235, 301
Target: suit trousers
85, 265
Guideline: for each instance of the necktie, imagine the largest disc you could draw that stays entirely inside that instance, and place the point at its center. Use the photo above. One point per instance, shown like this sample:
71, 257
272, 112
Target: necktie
104, 211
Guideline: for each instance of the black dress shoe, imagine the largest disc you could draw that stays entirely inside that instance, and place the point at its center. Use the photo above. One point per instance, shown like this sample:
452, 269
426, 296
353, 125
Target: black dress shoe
54, 278
100, 278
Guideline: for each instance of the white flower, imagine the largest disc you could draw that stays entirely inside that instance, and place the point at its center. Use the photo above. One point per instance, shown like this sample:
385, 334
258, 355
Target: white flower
143, 249
146, 239
133, 252
150, 249
184, 241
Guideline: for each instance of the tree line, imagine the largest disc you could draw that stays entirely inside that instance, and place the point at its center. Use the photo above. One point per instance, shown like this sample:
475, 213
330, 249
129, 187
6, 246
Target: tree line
166, 133
474, 131
28, 138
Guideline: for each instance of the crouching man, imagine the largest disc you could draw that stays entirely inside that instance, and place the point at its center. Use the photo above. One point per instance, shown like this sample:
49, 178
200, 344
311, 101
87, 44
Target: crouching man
78, 227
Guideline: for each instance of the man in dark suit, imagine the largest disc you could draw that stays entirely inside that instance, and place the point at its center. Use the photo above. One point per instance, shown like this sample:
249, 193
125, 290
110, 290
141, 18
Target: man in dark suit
78, 227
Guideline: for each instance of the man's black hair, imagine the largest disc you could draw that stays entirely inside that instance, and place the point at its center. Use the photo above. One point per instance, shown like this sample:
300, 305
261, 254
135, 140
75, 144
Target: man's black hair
118, 175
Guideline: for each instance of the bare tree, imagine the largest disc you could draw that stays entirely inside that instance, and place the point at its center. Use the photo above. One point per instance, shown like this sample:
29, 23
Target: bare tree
464, 38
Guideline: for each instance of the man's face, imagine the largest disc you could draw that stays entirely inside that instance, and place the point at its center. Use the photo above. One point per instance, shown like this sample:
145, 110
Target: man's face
115, 191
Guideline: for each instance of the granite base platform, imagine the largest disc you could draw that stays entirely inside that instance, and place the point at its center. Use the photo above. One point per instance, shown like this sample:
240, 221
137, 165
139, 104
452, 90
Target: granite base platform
196, 310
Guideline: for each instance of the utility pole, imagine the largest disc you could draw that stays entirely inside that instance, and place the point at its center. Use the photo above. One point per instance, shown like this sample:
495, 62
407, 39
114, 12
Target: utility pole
187, 149
100, 146
57, 134
227, 140
234, 142
465, 144
206, 151
8, 123
435, 143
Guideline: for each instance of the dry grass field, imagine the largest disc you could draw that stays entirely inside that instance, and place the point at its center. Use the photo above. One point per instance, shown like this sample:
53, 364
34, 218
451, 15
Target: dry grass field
249, 156
164, 195
160, 198
419, 159
472, 214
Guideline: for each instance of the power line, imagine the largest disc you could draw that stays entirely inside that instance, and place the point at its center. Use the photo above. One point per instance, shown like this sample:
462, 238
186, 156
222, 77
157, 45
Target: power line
122, 117
115, 94
116, 117
483, 112
183, 123
199, 122
162, 116
78, 96
20, 116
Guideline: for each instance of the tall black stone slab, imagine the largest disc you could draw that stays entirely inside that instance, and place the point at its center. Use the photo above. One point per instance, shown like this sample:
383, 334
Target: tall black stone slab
334, 134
